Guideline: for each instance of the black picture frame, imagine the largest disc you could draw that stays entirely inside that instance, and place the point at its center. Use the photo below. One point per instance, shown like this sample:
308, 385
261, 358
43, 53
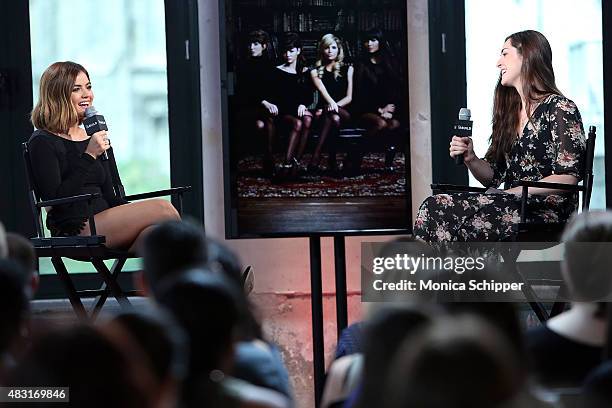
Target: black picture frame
333, 216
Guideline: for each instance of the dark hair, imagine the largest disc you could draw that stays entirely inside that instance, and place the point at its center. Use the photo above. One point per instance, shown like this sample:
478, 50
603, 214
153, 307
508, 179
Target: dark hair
538, 80
587, 239
460, 362
60, 358
502, 315
162, 340
384, 333
259, 36
290, 41
22, 251
172, 247
13, 302
204, 304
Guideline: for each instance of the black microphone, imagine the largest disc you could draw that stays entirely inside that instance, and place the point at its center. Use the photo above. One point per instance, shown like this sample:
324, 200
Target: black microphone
463, 128
94, 122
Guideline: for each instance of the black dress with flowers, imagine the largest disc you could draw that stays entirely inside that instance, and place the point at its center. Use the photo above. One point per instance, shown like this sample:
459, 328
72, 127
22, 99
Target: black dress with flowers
554, 143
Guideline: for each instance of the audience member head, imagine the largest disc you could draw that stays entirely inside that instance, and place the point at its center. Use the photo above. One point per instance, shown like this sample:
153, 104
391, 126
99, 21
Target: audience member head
21, 251
399, 247
384, 333
169, 248
223, 260
100, 372
165, 345
502, 315
462, 362
588, 247
204, 304
13, 303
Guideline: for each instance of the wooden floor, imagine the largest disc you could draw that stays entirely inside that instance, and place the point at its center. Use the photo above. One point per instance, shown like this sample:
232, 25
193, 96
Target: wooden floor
300, 216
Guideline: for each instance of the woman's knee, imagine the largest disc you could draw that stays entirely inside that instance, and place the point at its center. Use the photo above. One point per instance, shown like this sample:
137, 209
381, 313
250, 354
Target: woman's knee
393, 124
259, 124
164, 210
335, 118
296, 125
379, 124
307, 121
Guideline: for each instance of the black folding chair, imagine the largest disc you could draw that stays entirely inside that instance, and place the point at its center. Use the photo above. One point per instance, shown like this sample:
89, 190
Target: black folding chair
89, 248
546, 235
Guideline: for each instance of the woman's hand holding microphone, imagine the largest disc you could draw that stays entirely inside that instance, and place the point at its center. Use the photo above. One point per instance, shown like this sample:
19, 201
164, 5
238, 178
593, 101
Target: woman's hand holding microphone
464, 146
98, 144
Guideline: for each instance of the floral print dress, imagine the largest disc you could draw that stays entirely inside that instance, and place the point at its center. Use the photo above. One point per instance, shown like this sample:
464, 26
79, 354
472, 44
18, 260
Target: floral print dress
553, 142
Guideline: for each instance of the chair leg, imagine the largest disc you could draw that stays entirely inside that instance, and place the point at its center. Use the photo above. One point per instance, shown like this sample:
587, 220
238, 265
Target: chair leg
538, 308
100, 300
112, 284
560, 303
75, 300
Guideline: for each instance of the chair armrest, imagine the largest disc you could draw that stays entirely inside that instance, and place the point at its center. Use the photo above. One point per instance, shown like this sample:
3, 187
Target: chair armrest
556, 186
160, 193
67, 200
457, 188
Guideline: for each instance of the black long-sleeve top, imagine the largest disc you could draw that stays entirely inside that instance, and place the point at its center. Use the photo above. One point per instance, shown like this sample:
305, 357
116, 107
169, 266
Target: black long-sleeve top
61, 168
288, 91
376, 85
252, 78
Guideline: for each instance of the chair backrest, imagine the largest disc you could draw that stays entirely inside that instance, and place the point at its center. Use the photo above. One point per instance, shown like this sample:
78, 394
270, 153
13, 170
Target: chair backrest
33, 196
587, 176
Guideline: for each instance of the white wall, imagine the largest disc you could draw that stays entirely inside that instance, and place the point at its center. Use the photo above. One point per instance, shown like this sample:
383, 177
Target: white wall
281, 265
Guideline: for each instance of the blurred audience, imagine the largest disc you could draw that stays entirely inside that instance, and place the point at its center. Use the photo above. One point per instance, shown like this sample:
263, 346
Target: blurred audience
205, 305
21, 251
13, 311
459, 362
571, 344
174, 247
102, 370
165, 346
597, 392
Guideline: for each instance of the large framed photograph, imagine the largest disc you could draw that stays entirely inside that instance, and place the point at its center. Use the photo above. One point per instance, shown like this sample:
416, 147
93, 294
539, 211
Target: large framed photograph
315, 116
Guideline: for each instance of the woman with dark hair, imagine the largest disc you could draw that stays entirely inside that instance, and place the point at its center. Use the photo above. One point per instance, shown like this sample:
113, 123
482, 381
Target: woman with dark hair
378, 92
537, 136
287, 98
252, 77
333, 78
67, 162
569, 345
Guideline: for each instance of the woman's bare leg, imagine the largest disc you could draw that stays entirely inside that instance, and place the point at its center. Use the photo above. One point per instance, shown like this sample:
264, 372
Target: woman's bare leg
123, 225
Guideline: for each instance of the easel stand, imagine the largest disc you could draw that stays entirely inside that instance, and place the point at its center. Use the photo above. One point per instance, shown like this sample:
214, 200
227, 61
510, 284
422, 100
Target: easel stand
316, 296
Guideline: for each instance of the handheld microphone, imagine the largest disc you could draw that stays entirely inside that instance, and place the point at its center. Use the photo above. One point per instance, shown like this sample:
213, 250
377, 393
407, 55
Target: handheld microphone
463, 128
94, 122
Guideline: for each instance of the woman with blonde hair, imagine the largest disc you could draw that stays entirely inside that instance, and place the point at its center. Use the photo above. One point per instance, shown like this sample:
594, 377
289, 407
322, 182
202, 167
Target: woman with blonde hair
67, 162
333, 78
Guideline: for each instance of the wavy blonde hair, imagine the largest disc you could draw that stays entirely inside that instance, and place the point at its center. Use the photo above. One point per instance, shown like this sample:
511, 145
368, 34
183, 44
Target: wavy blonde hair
325, 42
54, 110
